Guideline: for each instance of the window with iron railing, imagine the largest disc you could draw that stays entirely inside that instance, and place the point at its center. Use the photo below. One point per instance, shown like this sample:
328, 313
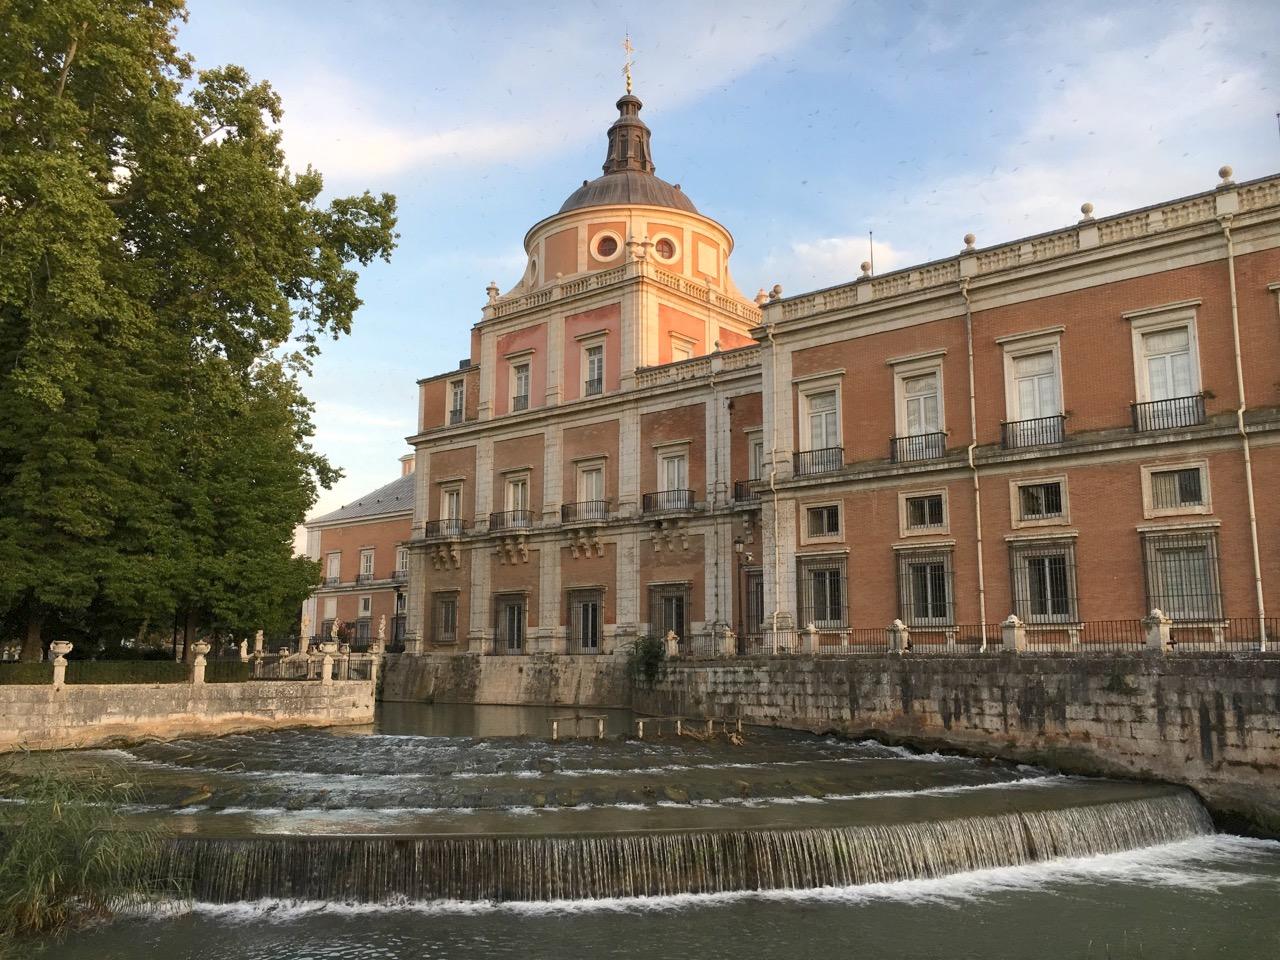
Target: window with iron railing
1182, 574
586, 619
1040, 501
925, 512
1043, 576
1176, 489
668, 610
1036, 432
925, 594
510, 623
823, 595
823, 460
444, 618
665, 500
923, 446
1169, 414
584, 510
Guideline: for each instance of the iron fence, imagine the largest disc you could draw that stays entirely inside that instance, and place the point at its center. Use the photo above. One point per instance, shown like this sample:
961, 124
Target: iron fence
667, 500
594, 387
1168, 414
822, 460
451, 527
1230, 635
511, 520
921, 446
745, 491
584, 510
1036, 432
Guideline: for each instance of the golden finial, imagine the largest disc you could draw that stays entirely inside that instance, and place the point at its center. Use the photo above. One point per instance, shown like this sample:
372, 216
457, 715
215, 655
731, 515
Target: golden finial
626, 68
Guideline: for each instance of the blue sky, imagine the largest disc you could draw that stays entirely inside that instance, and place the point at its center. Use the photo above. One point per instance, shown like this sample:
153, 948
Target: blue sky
799, 126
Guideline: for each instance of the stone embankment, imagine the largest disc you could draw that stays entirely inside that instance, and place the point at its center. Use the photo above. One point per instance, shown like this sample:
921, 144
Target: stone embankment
1210, 722
540, 679
63, 716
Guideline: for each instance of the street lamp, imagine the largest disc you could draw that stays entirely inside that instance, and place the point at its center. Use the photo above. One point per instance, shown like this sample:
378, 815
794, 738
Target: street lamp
738, 546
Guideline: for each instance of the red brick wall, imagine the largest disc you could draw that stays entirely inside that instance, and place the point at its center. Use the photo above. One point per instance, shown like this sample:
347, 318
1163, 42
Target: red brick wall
591, 440
447, 466
588, 571
608, 319
678, 423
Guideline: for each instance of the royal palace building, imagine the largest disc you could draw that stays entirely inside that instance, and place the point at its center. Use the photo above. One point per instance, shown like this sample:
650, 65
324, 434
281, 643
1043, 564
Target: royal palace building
1073, 428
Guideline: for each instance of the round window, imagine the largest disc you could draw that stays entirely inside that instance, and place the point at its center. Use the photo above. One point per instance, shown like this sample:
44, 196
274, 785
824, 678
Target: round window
665, 249
606, 247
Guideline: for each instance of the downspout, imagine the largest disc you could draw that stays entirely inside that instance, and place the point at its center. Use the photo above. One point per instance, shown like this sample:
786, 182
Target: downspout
715, 489
973, 466
1244, 435
773, 487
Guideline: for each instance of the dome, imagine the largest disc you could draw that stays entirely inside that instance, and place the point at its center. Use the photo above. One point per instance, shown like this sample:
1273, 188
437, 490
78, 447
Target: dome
628, 169
628, 187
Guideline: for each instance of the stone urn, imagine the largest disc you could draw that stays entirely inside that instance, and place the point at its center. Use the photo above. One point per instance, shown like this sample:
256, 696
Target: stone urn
329, 647
344, 649
60, 649
201, 648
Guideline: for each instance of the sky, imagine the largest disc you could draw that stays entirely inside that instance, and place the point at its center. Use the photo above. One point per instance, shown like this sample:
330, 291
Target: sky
800, 126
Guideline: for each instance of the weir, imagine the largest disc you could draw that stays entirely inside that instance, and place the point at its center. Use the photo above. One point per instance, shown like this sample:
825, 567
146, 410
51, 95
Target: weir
601, 866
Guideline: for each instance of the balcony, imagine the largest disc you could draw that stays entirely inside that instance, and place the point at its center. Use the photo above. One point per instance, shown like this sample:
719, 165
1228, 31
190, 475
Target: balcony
593, 388
584, 510
665, 501
1168, 414
744, 491
511, 520
1037, 432
824, 460
455, 417
362, 578
332, 581
922, 446
452, 527
520, 402
399, 576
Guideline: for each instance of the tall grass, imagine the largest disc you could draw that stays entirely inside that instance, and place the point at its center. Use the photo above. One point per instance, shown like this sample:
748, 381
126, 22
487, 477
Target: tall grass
64, 856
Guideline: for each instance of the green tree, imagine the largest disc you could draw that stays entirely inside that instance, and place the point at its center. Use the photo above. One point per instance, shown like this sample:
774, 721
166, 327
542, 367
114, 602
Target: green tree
165, 280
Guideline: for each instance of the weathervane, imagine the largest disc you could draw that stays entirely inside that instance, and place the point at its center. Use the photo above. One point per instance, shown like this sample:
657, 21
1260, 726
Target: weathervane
626, 68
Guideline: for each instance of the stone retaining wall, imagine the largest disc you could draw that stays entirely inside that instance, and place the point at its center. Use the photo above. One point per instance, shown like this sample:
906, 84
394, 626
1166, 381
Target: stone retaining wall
53, 717
1210, 722
540, 679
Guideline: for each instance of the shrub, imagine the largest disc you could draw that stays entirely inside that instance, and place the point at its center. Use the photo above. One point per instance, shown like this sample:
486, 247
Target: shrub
13, 672
64, 858
127, 671
644, 659
226, 671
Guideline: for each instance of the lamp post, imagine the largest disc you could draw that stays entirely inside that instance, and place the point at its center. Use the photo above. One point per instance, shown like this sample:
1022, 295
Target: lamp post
738, 547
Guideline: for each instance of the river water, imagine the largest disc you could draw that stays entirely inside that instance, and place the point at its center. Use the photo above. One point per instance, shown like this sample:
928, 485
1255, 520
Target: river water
462, 832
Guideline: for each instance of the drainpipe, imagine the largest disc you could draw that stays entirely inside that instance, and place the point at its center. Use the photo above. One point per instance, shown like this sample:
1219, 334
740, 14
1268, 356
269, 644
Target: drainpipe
973, 466
715, 489
1244, 435
773, 487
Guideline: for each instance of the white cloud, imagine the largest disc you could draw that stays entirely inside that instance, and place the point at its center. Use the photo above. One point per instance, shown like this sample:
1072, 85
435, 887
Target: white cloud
810, 264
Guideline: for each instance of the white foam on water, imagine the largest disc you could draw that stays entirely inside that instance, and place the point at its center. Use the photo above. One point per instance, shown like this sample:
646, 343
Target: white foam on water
1200, 863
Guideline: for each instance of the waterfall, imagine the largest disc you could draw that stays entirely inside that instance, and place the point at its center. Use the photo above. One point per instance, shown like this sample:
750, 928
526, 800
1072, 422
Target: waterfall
505, 868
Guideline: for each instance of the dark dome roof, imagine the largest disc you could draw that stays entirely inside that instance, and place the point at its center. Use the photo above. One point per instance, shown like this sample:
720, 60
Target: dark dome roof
628, 169
628, 187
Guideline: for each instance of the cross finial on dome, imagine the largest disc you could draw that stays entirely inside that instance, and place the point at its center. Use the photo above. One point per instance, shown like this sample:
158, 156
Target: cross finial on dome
626, 67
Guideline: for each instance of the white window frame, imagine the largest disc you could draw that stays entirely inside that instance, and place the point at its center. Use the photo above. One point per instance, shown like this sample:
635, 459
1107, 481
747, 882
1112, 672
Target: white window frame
330, 609
1015, 502
905, 370
365, 608
585, 366
584, 467
904, 526
686, 345
514, 481
671, 451
515, 361
1149, 509
402, 558
806, 537
1156, 320
334, 570
446, 490
367, 554
1015, 348
755, 471
811, 387
457, 386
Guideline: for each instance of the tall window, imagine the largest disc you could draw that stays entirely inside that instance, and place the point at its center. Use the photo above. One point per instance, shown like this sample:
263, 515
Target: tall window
520, 386
1168, 364
824, 426
674, 471
402, 558
1182, 575
366, 564
921, 407
586, 615
1035, 386
755, 602
591, 492
756, 459
594, 356
668, 608
451, 503
518, 498
510, 622
330, 614
445, 618
457, 393
822, 593
924, 588
335, 567
1044, 581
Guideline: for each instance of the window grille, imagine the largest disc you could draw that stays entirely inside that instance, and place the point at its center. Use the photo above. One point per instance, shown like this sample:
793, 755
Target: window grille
669, 609
1182, 574
925, 593
823, 592
1171, 489
445, 618
925, 512
509, 629
824, 521
586, 618
1043, 577
1040, 501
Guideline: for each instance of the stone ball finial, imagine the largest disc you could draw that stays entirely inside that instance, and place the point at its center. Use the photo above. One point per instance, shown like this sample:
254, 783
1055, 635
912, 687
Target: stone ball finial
969, 240
776, 292
492, 290
1087, 209
1225, 173
866, 268
762, 298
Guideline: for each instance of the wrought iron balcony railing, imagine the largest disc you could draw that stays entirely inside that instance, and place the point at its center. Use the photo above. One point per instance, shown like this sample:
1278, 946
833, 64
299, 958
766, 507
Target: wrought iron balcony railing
451, 527
594, 388
823, 460
1168, 414
1036, 432
520, 402
455, 416
331, 581
511, 520
744, 491
667, 500
584, 510
399, 576
364, 578
921, 446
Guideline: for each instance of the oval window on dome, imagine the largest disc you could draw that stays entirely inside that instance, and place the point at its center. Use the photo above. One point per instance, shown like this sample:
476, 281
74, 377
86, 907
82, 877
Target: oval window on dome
665, 248
606, 246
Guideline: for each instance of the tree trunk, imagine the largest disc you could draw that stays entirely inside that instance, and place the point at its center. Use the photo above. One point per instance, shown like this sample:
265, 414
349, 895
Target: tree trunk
189, 637
33, 643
